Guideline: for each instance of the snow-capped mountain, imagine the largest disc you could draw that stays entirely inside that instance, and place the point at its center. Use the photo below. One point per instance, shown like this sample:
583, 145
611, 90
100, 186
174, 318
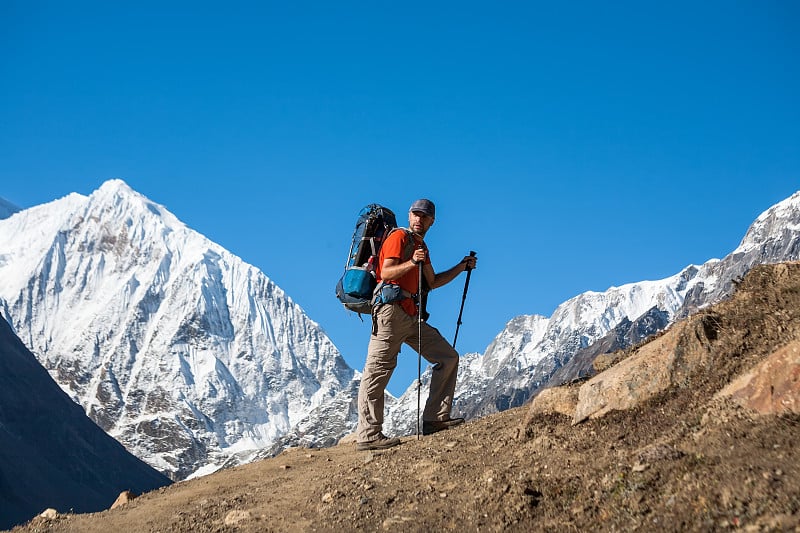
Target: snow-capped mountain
531, 349
177, 348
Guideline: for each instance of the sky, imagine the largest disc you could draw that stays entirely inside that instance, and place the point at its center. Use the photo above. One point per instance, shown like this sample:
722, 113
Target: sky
575, 146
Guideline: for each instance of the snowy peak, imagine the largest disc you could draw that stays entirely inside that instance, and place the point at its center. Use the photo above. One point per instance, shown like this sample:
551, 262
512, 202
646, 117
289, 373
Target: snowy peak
772, 225
786, 209
115, 204
176, 347
116, 187
117, 198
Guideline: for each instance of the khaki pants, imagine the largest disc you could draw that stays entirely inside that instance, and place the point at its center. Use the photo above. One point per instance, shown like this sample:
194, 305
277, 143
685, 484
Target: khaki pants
395, 327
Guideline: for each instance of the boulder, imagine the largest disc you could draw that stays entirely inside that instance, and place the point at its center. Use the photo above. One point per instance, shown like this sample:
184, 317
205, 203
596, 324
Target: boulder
124, 497
666, 361
773, 386
555, 400
562, 400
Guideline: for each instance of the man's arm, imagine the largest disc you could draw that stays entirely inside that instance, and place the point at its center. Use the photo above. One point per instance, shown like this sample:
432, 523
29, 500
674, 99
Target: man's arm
443, 278
393, 268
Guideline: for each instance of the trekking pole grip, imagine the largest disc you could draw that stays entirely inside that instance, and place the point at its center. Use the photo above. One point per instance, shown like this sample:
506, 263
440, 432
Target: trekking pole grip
472, 253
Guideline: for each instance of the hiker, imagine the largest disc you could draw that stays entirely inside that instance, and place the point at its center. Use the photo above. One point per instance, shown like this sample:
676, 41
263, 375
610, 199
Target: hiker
397, 322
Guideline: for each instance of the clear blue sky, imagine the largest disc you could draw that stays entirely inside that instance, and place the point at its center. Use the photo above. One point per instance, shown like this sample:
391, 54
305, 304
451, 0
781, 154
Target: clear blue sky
574, 145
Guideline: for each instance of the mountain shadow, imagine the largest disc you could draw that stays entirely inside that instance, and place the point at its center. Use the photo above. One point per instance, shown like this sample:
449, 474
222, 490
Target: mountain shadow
51, 454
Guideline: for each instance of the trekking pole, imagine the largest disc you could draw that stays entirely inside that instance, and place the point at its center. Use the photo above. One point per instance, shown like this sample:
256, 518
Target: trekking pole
419, 343
463, 299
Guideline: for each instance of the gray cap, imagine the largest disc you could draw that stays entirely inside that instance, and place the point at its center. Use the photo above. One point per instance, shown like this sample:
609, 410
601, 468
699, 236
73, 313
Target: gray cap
425, 206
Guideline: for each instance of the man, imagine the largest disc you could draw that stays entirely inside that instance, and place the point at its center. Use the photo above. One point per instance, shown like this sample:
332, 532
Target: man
396, 322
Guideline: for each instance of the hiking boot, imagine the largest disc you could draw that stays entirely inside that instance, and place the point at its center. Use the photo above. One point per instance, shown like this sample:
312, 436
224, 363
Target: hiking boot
381, 443
433, 426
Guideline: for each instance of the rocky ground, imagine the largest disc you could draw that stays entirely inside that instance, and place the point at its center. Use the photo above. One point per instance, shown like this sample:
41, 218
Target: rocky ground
683, 459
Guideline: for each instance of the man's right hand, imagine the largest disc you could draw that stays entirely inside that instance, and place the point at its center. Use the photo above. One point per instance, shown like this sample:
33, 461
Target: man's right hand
418, 256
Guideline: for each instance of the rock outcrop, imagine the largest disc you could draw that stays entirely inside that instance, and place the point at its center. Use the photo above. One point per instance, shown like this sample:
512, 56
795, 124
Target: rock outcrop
761, 320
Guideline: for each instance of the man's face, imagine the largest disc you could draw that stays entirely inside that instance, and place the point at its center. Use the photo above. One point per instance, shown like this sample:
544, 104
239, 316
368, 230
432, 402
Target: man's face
419, 222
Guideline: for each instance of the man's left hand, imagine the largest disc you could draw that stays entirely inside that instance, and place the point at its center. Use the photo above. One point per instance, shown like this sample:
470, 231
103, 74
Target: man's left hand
469, 262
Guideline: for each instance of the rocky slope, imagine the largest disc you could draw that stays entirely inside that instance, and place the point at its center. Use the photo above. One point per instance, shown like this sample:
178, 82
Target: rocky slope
698, 453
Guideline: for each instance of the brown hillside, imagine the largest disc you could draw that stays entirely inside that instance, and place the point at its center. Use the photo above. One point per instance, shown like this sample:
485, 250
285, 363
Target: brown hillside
680, 456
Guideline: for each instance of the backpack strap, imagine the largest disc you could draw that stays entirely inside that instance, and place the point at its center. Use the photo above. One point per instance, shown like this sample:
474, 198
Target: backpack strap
408, 249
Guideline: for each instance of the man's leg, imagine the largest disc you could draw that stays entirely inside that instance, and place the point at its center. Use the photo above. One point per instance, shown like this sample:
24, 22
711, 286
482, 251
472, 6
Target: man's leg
381, 362
439, 352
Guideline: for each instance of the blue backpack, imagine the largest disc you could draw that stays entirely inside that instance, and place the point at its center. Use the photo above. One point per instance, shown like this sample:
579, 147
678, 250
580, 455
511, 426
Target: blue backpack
356, 285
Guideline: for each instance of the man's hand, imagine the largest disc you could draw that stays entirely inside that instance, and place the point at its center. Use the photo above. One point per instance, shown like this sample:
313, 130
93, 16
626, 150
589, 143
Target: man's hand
469, 262
419, 255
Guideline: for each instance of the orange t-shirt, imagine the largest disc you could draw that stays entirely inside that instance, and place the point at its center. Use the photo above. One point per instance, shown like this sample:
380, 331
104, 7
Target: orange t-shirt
393, 248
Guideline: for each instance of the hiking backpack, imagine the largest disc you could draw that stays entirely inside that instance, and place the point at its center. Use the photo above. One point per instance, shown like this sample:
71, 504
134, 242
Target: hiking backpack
355, 287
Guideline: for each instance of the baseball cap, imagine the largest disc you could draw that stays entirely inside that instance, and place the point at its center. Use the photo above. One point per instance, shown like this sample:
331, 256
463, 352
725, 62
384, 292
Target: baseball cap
425, 206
